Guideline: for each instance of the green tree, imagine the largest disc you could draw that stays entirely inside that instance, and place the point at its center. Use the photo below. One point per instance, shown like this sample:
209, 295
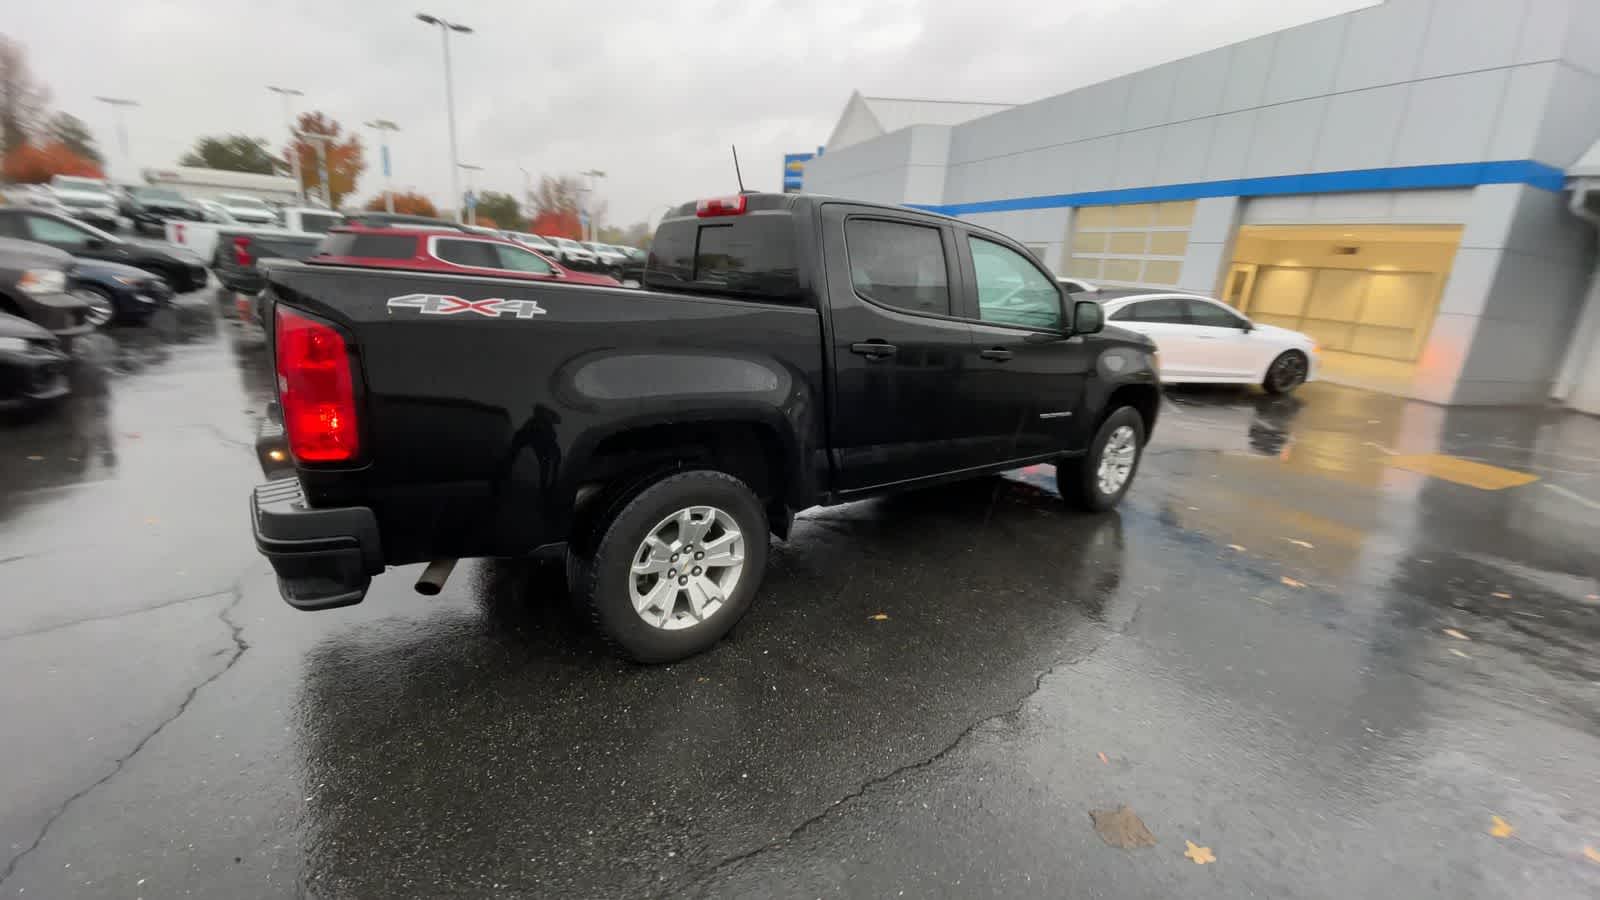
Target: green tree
502, 208
75, 136
233, 153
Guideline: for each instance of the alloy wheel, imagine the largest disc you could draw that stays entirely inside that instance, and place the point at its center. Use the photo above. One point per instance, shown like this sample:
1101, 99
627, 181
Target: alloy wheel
686, 567
1117, 459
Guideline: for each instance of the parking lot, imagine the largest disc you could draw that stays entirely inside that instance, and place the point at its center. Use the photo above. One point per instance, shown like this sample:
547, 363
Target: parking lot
1325, 629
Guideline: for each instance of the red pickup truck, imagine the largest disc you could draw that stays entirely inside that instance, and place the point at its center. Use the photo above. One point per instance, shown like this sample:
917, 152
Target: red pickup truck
441, 250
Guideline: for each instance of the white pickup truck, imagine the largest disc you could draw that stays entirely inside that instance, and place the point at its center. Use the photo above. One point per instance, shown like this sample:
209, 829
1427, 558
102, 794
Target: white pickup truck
201, 237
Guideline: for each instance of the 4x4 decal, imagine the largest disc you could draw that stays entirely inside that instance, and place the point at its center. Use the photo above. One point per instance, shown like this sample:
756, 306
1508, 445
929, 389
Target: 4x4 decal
445, 305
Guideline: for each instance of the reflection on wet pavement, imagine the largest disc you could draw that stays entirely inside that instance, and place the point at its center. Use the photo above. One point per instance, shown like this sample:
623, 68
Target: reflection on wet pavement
1332, 670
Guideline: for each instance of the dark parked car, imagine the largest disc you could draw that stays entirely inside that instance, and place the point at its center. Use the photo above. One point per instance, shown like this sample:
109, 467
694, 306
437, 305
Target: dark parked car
117, 294
785, 351
182, 270
33, 286
151, 207
33, 369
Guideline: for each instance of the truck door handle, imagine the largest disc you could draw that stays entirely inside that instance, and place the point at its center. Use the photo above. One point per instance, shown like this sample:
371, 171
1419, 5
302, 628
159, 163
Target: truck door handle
874, 349
998, 354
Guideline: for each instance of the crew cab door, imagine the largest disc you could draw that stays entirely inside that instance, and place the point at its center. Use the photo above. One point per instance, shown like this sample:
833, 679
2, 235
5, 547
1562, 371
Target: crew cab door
1024, 391
898, 349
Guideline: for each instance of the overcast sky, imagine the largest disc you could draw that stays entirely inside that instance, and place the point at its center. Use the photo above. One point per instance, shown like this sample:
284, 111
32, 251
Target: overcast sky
653, 93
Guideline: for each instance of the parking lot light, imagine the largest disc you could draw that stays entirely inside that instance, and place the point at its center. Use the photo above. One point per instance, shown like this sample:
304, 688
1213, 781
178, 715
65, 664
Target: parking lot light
449, 99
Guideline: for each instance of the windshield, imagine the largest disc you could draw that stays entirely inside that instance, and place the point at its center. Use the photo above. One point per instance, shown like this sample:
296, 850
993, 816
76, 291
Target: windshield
167, 195
68, 183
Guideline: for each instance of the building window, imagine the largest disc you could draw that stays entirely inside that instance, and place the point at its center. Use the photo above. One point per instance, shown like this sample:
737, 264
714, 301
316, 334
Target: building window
1137, 244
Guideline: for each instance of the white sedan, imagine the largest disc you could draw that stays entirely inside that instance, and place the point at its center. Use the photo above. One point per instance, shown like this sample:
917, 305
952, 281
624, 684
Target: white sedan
1203, 341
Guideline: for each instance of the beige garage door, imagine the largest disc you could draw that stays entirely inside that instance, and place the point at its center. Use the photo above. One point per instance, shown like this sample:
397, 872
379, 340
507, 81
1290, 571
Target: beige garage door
1383, 314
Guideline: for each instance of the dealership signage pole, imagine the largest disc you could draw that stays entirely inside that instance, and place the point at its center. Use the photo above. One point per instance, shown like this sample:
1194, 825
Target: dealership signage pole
294, 149
383, 127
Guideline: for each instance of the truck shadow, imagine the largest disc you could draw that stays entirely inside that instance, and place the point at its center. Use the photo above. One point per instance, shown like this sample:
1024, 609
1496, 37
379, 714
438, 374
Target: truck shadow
505, 738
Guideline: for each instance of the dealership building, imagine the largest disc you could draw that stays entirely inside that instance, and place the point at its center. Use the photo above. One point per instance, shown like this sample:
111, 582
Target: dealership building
1415, 184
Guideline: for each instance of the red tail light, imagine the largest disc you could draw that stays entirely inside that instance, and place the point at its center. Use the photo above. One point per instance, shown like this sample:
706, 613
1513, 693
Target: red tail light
720, 206
316, 389
241, 251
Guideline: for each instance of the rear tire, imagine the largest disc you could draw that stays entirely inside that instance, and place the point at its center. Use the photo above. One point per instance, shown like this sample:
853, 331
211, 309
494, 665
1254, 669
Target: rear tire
1097, 480
1286, 373
651, 616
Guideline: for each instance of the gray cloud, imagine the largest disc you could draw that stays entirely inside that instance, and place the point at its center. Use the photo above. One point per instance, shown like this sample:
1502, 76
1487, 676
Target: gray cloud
652, 93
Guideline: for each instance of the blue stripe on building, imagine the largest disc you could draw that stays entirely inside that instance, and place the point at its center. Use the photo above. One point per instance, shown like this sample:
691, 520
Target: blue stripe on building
1452, 175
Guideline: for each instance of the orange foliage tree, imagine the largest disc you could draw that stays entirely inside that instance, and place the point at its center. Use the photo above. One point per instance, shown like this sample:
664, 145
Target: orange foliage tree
483, 221
38, 163
409, 202
346, 159
558, 223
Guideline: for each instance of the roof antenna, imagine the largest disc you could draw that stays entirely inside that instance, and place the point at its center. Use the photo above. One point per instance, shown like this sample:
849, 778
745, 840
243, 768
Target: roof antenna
736, 175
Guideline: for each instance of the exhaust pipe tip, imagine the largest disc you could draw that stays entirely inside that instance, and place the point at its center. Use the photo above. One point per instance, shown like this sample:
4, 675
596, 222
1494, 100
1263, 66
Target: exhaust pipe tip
432, 579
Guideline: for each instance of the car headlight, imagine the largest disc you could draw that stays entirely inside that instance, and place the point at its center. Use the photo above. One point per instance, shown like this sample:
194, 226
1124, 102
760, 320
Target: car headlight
43, 281
1155, 361
13, 345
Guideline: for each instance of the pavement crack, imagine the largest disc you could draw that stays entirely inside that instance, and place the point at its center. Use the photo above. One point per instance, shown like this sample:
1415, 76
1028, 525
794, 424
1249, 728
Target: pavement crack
240, 645
56, 626
737, 859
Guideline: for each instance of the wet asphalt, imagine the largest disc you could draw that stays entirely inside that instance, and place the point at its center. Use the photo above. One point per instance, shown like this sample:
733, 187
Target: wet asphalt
1334, 675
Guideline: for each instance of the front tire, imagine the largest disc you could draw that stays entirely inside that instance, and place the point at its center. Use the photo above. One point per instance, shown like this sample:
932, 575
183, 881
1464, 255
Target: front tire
676, 568
1286, 373
1097, 480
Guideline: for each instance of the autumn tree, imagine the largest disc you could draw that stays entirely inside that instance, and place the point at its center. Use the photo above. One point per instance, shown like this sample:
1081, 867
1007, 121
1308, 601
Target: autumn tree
555, 194
502, 208
484, 221
38, 163
345, 157
407, 202
22, 98
563, 223
233, 153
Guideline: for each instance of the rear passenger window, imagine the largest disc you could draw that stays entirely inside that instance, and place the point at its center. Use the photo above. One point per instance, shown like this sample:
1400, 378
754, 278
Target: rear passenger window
468, 253
898, 264
369, 246
1166, 311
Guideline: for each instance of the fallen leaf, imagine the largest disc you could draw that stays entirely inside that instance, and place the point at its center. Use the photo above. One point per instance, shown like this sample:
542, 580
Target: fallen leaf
151, 520
1459, 653
1299, 543
1501, 595
1104, 760
1456, 634
1200, 855
879, 617
702, 679
1121, 827
1502, 828
1236, 548
1592, 853
1291, 582
35, 458
1194, 509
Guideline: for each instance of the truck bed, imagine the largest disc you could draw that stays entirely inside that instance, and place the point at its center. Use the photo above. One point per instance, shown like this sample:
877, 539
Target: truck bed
551, 380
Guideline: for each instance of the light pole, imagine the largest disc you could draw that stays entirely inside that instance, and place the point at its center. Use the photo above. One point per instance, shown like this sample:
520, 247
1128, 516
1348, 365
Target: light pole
294, 151
449, 98
594, 227
383, 127
118, 104
527, 193
472, 209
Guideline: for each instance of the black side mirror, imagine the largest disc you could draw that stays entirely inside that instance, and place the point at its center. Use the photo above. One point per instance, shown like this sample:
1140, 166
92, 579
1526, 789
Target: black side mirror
95, 243
1087, 317
1246, 325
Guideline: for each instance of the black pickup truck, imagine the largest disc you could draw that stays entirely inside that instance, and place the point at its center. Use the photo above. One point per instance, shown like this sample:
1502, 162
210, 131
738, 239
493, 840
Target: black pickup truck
785, 351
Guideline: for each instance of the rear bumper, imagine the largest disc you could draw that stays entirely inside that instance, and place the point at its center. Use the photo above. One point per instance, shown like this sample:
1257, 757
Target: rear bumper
324, 558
